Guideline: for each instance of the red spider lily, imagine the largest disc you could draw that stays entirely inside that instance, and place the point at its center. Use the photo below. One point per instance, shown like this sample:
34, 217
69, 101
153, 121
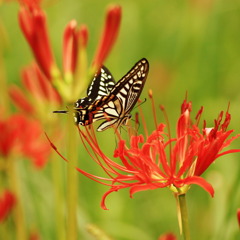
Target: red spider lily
7, 202
73, 81
42, 94
32, 21
34, 236
145, 163
168, 236
238, 217
23, 136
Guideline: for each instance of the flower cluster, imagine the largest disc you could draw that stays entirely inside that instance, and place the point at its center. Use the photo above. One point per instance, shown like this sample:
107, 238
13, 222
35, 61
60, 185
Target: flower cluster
159, 160
33, 23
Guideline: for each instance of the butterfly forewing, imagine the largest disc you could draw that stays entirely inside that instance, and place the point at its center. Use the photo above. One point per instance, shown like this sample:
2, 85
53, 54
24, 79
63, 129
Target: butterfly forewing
101, 85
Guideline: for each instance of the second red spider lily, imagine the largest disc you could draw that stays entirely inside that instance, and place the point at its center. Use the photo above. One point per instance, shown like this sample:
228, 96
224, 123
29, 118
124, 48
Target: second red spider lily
32, 20
146, 164
7, 203
22, 136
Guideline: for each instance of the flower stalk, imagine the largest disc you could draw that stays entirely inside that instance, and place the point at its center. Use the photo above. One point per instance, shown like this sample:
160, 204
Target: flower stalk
58, 198
18, 215
72, 184
183, 217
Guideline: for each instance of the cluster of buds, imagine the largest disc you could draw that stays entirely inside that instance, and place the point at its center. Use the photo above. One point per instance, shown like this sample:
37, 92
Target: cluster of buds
74, 79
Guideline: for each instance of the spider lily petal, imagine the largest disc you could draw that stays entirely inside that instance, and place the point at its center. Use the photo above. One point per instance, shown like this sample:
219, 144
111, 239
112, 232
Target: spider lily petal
70, 47
20, 100
167, 236
38, 85
33, 24
74, 41
109, 35
238, 217
7, 202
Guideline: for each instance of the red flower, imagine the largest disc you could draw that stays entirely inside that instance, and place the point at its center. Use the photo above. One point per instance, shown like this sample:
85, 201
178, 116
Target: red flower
168, 236
23, 136
145, 163
34, 235
7, 202
238, 217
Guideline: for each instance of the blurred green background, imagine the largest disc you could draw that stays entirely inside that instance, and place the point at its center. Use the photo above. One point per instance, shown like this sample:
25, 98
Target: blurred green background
193, 46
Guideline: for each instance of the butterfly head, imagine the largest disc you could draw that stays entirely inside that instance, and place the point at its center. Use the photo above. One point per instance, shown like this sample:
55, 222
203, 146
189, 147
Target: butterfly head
82, 117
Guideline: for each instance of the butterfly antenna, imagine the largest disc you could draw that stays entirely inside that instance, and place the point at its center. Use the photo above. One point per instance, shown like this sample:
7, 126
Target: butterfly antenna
61, 111
140, 102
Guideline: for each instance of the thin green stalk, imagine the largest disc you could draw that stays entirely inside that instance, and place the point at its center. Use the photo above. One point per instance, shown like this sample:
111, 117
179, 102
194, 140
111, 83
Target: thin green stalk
184, 216
58, 195
72, 185
18, 209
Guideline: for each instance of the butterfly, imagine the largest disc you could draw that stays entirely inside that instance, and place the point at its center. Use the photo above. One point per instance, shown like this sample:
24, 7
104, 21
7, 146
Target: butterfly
116, 106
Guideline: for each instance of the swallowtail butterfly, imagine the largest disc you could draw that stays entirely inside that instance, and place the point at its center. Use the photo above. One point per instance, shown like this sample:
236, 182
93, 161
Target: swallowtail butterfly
115, 107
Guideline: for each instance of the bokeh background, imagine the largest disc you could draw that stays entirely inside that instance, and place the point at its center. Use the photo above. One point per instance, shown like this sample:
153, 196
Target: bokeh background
193, 46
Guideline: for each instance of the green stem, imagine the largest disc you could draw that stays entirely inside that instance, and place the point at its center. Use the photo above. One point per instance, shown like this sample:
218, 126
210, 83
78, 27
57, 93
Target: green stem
72, 185
184, 216
18, 209
58, 194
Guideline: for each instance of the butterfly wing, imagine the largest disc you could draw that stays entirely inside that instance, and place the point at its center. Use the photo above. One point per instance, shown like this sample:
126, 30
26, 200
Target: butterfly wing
123, 97
101, 85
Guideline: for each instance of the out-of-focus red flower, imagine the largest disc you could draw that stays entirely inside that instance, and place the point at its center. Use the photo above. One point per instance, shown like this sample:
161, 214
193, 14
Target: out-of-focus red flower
30, 3
238, 217
41, 93
109, 35
32, 21
23, 136
167, 236
7, 202
159, 160
34, 236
